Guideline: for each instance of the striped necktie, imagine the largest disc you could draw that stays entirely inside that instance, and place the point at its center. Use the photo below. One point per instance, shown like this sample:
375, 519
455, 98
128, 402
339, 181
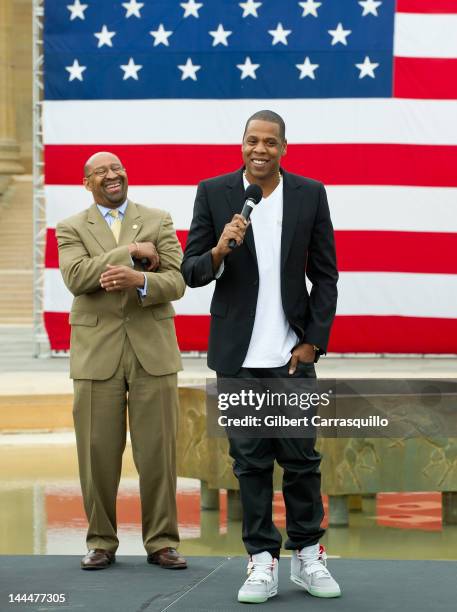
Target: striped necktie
116, 224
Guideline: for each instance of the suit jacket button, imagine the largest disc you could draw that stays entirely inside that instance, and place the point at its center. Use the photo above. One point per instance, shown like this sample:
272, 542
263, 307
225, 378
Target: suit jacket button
252, 313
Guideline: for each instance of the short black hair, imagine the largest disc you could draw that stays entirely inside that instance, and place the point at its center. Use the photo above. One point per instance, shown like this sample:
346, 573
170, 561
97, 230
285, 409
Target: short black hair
272, 117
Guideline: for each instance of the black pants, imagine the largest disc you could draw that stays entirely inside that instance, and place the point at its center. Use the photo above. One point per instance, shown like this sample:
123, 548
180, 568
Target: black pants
253, 466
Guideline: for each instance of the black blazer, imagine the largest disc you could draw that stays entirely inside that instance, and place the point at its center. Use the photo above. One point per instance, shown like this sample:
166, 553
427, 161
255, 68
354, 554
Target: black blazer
307, 249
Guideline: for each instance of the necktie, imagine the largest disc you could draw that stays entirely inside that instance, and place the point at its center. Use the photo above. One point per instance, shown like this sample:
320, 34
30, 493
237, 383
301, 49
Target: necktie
116, 224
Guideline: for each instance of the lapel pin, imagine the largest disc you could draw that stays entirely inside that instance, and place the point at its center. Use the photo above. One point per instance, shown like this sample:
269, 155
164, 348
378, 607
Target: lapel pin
134, 226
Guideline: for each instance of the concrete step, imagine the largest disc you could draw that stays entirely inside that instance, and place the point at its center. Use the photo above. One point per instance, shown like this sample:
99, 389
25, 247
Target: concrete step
35, 412
17, 301
16, 249
16, 297
18, 225
23, 309
12, 236
18, 288
16, 278
10, 261
24, 318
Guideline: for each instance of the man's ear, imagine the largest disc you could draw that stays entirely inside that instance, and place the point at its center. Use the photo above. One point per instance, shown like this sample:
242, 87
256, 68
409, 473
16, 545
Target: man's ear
284, 148
86, 184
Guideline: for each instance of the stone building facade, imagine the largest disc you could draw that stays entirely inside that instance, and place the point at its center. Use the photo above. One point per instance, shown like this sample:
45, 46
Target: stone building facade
16, 84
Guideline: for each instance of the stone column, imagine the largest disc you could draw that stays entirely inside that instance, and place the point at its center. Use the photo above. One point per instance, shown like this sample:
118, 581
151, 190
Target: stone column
9, 149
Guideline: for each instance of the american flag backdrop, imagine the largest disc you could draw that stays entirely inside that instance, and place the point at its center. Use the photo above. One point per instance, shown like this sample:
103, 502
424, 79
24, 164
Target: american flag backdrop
368, 90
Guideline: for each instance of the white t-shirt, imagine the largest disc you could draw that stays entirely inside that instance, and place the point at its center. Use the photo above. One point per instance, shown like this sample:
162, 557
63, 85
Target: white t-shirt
272, 337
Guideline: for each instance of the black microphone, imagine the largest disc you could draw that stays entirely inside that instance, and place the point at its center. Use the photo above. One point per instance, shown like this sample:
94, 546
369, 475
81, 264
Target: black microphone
252, 196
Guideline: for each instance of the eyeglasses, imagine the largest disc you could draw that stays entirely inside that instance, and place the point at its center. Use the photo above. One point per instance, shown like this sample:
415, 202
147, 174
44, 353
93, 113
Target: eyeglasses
103, 170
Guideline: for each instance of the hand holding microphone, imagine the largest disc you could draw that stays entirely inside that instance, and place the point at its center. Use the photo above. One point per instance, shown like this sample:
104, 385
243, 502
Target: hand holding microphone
234, 232
252, 197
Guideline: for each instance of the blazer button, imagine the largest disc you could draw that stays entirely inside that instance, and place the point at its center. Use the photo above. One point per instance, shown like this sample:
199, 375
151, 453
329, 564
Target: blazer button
252, 313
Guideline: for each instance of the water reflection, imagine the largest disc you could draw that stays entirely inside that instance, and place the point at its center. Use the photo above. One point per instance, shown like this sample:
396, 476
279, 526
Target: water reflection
41, 512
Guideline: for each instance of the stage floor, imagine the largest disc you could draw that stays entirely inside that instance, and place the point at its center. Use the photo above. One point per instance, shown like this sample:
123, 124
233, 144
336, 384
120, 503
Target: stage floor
211, 584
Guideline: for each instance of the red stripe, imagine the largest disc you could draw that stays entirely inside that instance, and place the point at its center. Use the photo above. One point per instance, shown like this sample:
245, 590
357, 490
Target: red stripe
364, 251
426, 6
192, 331
382, 334
182, 237
376, 251
334, 164
425, 78
51, 255
58, 329
146, 164
357, 334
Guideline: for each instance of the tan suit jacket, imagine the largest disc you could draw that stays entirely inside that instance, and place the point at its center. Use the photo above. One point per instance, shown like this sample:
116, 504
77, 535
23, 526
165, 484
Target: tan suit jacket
100, 320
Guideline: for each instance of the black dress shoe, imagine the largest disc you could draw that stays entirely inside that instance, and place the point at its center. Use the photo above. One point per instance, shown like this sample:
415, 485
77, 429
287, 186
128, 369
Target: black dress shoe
97, 558
168, 558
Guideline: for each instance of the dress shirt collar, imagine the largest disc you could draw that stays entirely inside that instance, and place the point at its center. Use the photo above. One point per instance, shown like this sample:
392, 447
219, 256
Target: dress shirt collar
105, 210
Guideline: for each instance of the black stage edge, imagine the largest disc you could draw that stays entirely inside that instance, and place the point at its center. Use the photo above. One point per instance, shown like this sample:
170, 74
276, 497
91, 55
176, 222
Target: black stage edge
211, 584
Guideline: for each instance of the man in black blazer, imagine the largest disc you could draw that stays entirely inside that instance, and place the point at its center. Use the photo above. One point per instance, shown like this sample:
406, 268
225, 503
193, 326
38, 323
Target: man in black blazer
265, 324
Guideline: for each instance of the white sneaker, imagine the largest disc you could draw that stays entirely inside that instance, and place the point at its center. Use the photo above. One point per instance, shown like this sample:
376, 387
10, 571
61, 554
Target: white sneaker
262, 580
308, 570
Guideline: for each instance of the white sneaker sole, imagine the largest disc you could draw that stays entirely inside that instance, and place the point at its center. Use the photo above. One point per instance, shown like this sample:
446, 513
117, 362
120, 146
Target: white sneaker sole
256, 599
315, 592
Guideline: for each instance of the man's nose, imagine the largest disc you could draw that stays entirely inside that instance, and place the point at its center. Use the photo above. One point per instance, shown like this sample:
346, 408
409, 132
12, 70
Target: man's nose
111, 173
259, 147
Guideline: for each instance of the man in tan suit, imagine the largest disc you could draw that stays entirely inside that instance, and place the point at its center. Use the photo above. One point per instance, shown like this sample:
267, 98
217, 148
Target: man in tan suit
121, 261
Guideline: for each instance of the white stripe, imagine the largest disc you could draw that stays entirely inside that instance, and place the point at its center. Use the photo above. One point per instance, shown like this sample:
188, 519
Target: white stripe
409, 209
62, 201
195, 301
409, 295
360, 293
414, 209
420, 35
103, 122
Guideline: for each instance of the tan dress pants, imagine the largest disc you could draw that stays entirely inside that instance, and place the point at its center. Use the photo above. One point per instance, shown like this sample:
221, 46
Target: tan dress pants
100, 418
